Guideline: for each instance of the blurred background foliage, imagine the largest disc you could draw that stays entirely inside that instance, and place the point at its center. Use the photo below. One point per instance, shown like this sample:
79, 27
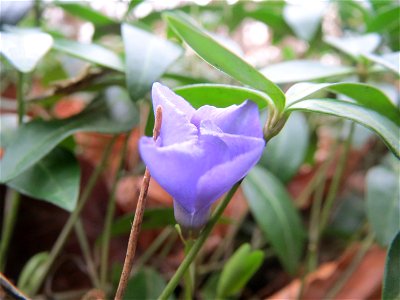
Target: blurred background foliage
312, 220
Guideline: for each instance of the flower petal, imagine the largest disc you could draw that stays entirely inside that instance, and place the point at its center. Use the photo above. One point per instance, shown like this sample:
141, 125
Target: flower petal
176, 127
236, 119
178, 167
245, 152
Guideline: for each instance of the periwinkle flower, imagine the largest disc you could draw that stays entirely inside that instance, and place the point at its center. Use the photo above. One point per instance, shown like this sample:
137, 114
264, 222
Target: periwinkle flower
200, 154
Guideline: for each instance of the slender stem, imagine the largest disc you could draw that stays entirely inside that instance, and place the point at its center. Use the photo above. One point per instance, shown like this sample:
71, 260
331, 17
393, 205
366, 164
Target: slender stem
137, 221
189, 258
188, 277
333, 189
12, 203
84, 244
365, 246
62, 238
109, 218
20, 97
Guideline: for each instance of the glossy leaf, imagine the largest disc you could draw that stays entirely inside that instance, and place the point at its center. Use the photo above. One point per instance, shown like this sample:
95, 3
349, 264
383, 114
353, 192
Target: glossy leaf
146, 284
292, 142
86, 13
238, 270
93, 53
365, 95
303, 70
24, 48
355, 45
221, 95
274, 211
388, 60
391, 286
382, 199
304, 17
147, 58
32, 270
35, 139
221, 58
55, 179
381, 125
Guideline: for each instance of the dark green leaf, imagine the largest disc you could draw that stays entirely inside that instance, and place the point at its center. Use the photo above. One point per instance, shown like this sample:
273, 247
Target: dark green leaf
292, 142
238, 270
35, 139
382, 199
146, 284
391, 286
221, 95
90, 52
24, 48
365, 95
385, 20
388, 60
274, 211
221, 58
381, 125
85, 12
303, 70
55, 178
355, 46
147, 58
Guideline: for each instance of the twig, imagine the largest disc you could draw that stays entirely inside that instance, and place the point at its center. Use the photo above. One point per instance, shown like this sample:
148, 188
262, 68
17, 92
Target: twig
137, 222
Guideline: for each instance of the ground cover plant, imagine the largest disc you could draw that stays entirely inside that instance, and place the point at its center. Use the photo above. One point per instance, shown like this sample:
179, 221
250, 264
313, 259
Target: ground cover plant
199, 149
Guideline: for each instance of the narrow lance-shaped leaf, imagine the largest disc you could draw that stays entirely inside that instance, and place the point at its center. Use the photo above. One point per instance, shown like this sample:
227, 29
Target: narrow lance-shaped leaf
86, 13
35, 139
147, 57
276, 215
221, 58
391, 286
55, 179
363, 94
371, 119
93, 53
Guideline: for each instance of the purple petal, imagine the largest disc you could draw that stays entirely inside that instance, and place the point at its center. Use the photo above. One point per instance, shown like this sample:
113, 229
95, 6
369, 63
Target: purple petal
241, 120
176, 126
178, 167
188, 219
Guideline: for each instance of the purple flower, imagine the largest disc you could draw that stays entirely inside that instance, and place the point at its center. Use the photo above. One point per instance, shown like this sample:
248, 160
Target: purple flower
200, 154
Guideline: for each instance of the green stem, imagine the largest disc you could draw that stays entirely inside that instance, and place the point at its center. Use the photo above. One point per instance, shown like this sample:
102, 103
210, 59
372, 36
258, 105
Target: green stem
189, 258
105, 243
188, 277
12, 203
62, 238
333, 189
84, 244
20, 97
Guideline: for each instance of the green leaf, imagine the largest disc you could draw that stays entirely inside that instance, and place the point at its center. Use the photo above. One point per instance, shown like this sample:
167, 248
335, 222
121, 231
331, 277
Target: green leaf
382, 199
388, 60
221, 95
381, 125
55, 179
387, 19
24, 48
238, 270
93, 53
274, 211
365, 95
85, 12
303, 70
146, 284
391, 286
291, 142
147, 58
304, 17
221, 58
35, 139
354, 46
32, 270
